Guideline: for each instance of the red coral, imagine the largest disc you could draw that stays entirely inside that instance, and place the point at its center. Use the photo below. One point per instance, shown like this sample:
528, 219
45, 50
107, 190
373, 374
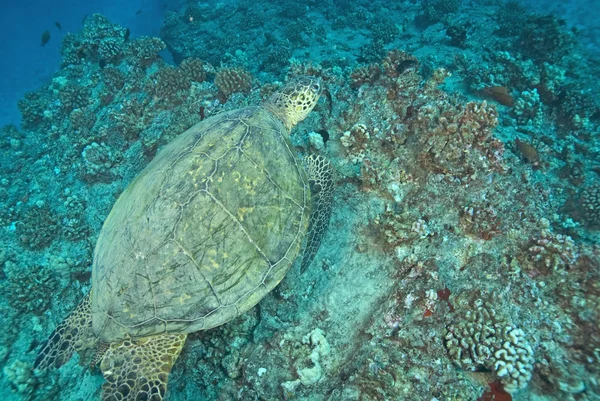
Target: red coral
444, 295
495, 393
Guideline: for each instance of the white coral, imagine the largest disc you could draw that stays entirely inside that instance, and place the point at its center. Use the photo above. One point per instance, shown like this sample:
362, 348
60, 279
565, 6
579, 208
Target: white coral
482, 339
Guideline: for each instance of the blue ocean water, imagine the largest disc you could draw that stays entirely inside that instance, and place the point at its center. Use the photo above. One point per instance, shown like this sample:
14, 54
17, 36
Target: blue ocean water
165, 157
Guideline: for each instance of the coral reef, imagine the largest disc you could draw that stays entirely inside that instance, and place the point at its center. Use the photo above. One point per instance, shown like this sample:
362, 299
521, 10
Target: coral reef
465, 140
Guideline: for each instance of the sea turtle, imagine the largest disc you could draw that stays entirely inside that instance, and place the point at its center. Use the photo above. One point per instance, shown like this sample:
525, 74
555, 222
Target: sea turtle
200, 236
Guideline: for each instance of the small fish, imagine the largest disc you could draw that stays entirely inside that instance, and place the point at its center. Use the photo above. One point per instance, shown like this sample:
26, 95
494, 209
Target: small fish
528, 152
58, 25
83, 19
45, 37
126, 35
139, 12
499, 94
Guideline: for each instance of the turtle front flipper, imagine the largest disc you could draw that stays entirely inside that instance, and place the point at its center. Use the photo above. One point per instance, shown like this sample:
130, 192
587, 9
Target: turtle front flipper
320, 176
73, 334
138, 369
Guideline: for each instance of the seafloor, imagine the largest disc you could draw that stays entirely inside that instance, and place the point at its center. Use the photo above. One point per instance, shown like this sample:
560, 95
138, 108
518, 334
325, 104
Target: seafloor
462, 258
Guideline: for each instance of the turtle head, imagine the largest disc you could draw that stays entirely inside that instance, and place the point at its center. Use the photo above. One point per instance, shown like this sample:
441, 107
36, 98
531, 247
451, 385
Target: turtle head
295, 100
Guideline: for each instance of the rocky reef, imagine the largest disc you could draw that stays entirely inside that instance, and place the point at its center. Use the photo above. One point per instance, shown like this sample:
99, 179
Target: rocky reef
462, 260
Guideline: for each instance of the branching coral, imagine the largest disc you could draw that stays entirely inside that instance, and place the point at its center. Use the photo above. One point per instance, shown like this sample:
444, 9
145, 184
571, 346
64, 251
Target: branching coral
399, 228
100, 41
356, 142
145, 50
131, 117
169, 86
32, 110
435, 10
82, 120
26, 287
21, 378
528, 109
482, 339
38, 226
193, 69
73, 222
590, 202
73, 96
449, 132
113, 79
98, 162
399, 64
366, 74
232, 80
481, 220
550, 252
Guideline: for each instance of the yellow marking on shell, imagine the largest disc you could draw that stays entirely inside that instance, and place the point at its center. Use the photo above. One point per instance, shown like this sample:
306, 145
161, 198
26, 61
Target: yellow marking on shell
214, 263
249, 185
243, 211
236, 176
200, 165
183, 298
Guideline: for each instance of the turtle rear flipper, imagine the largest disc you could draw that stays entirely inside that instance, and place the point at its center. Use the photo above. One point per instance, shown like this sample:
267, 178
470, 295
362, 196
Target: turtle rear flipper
139, 369
73, 334
320, 176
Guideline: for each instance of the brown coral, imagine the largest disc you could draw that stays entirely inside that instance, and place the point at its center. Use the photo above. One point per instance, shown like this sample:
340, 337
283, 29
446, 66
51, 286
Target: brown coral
232, 80
356, 142
397, 63
74, 97
590, 203
193, 69
169, 86
145, 50
366, 74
